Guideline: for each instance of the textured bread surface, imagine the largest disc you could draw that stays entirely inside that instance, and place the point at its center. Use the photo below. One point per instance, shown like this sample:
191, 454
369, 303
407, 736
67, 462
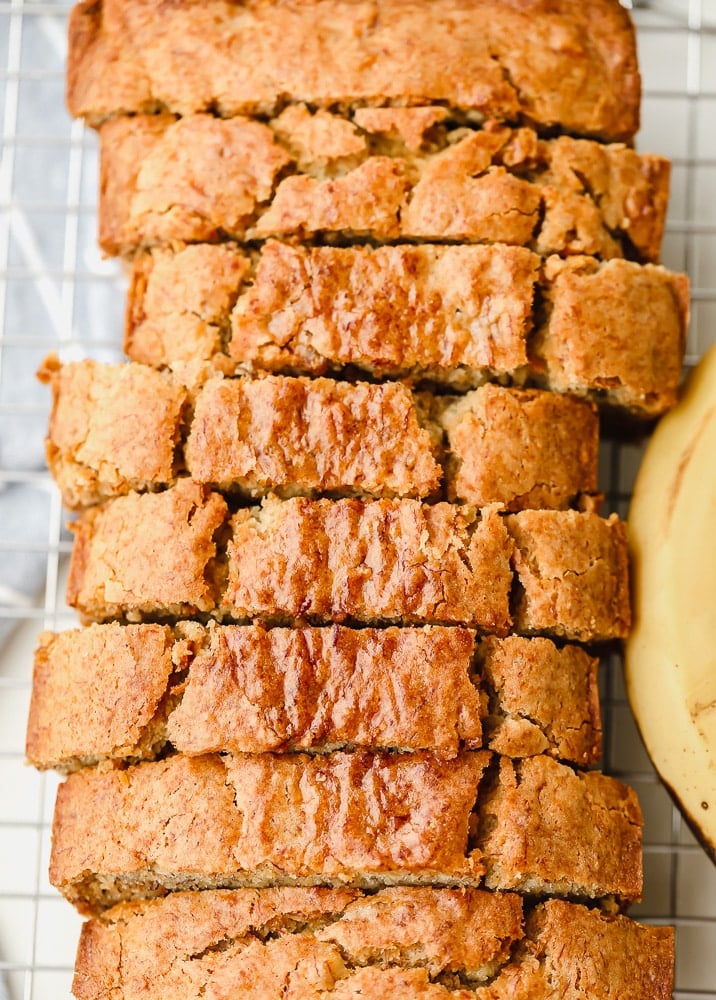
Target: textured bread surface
202, 179
381, 561
134, 691
554, 63
402, 560
400, 942
452, 314
540, 697
520, 448
117, 428
579, 317
549, 830
113, 428
148, 554
356, 818
572, 574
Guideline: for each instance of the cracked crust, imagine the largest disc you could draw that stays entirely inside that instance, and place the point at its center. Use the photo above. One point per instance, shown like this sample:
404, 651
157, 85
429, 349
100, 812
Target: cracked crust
450, 944
117, 428
520, 448
201, 178
370, 561
582, 816
466, 931
112, 429
366, 819
131, 692
452, 314
555, 63
304, 435
540, 697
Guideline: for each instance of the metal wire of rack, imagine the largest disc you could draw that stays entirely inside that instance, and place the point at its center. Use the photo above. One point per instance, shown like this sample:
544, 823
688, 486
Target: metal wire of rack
57, 293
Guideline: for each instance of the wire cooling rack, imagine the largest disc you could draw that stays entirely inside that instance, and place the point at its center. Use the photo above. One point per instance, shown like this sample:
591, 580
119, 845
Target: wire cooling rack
56, 293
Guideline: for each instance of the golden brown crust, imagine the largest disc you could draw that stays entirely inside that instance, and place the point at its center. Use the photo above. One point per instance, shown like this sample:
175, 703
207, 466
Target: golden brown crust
128, 692
354, 818
201, 178
179, 304
554, 63
615, 331
468, 306
357, 818
149, 553
466, 930
253, 690
386, 561
155, 184
547, 829
378, 561
640, 345
305, 435
572, 574
396, 943
520, 448
117, 428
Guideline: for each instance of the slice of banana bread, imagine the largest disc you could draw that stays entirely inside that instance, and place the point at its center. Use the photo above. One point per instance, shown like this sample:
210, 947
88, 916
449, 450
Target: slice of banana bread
325, 944
459, 315
150, 555
137, 691
116, 428
555, 63
202, 178
364, 819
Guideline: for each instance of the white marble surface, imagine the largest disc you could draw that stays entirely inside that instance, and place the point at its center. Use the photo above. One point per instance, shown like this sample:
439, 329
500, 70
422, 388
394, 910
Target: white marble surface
57, 293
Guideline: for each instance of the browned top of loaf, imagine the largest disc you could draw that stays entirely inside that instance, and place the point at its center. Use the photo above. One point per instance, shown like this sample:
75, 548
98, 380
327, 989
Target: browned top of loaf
204, 178
455, 314
121, 427
320, 941
116, 428
396, 560
467, 306
359, 818
132, 691
311, 435
556, 62
379, 561
217, 821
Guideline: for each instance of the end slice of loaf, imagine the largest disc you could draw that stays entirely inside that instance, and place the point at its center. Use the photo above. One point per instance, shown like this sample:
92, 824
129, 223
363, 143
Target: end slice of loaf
136, 691
446, 944
365, 819
557, 64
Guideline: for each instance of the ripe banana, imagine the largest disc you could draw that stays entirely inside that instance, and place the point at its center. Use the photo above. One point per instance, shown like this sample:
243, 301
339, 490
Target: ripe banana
670, 658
